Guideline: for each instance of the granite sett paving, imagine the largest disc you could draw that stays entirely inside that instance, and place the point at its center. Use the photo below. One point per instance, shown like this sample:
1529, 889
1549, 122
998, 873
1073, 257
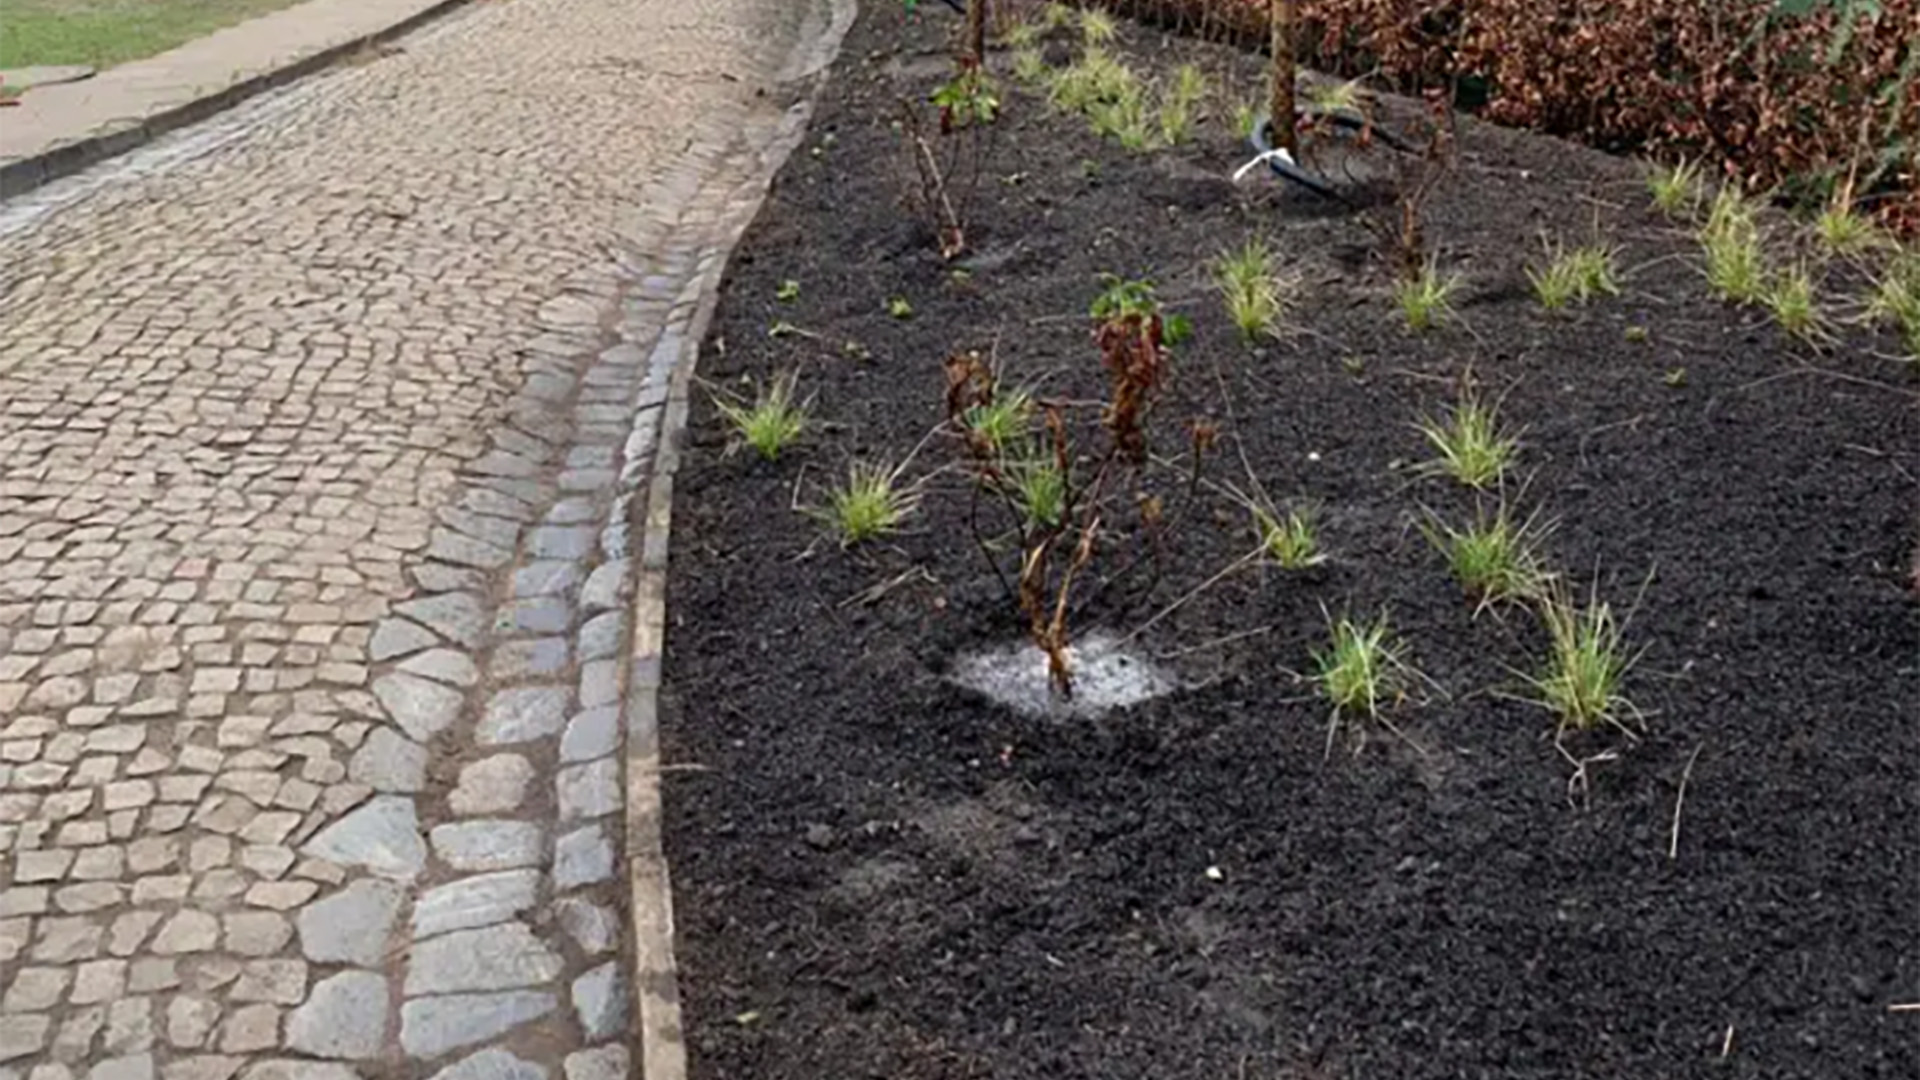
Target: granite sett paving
323, 446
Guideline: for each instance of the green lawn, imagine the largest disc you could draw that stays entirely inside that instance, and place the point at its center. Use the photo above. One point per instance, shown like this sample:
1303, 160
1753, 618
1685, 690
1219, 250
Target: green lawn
107, 32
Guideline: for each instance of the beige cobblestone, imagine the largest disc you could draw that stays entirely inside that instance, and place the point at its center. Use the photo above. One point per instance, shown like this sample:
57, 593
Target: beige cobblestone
242, 398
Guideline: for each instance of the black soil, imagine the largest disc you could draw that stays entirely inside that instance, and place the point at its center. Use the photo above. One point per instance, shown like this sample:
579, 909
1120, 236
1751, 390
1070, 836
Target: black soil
881, 875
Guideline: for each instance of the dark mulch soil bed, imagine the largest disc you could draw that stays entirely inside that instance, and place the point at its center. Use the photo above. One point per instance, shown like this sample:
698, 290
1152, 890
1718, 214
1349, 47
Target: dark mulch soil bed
881, 875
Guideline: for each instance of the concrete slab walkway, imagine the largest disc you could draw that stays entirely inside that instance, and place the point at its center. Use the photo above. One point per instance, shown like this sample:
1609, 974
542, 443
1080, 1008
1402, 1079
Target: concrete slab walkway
326, 445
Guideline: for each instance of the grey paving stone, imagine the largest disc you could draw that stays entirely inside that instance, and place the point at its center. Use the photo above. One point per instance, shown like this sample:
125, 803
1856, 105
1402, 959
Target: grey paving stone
582, 857
294, 1069
500, 532
500, 957
515, 660
344, 1017
537, 615
431, 1026
283, 982
443, 665
600, 1000
388, 761
547, 577
599, 1063
473, 846
351, 926
480, 900
461, 616
463, 550
130, 1067
23, 1034
600, 636
491, 785
592, 927
523, 714
382, 835
421, 707
188, 931
492, 1063
592, 734
590, 790
397, 637
560, 541
36, 988
572, 511
599, 683
493, 503
608, 586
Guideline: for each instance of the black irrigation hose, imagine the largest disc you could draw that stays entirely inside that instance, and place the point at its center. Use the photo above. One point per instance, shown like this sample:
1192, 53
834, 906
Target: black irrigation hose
1262, 141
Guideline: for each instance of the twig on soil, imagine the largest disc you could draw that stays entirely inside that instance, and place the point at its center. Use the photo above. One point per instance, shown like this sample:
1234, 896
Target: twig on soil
1809, 369
685, 766
1243, 561
1216, 643
873, 594
1680, 800
1726, 1044
1631, 421
1905, 1006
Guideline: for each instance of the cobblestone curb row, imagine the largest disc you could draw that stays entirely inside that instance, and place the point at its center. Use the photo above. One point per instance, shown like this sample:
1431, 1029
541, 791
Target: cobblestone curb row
650, 891
34, 170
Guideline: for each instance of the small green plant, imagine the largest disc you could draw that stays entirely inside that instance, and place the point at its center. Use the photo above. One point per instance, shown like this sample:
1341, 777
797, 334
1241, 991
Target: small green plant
1362, 668
1039, 489
1637, 334
1675, 377
1426, 299
1291, 540
1097, 28
1473, 447
1029, 66
1736, 261
966, 100
1003, 422
1586, 662
1094, 79
1895, 301
1843, 230
1574, 275
1675, 188
869, 504
788, 292
1056, 15
1178, 106
1334, 96
1124, 119
1024, 35
1792, 300
1245, 115
772, 422
1251, 286
1494, 557
899, 307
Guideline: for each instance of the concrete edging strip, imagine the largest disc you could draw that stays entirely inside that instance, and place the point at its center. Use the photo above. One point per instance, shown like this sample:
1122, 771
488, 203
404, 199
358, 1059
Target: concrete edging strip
662, 1049
64, 159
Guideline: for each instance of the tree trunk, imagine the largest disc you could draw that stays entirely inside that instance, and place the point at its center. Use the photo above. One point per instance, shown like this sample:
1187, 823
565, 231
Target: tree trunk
975, 48
1280, 99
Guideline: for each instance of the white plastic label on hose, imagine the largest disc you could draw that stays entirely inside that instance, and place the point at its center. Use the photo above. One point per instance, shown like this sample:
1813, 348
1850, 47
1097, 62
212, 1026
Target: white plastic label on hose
1277, 152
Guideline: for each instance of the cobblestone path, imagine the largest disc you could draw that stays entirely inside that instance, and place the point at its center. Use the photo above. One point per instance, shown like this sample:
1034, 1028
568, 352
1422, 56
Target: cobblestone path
323, 449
